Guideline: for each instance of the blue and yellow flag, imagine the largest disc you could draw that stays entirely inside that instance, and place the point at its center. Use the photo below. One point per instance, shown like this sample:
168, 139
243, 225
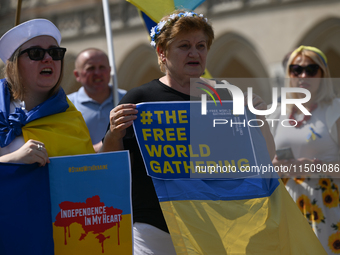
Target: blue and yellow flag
267, 225
55, 122
63, 134
156, 9
217, 188
25, 215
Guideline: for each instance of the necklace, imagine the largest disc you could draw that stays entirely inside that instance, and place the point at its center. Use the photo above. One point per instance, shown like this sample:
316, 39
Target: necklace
305, 118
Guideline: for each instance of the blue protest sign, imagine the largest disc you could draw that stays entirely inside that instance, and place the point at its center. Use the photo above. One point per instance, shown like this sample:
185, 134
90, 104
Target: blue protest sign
178, 142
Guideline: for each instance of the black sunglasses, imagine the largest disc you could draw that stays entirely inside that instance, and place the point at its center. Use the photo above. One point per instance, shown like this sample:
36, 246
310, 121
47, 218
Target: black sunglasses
310, 70
39, 53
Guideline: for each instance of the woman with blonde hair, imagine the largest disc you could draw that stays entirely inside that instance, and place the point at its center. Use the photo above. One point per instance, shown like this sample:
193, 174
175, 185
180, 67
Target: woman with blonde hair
37, 121
313, 141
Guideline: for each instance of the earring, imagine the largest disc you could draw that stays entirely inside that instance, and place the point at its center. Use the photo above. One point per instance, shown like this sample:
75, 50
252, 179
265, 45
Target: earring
162, 58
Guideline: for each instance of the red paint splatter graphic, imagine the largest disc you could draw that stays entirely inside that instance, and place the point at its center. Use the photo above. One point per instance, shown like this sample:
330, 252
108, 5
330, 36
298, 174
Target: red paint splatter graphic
92, 215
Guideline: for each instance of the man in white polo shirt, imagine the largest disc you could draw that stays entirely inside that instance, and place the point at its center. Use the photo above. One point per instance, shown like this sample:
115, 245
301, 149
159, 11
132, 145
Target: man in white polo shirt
95, 98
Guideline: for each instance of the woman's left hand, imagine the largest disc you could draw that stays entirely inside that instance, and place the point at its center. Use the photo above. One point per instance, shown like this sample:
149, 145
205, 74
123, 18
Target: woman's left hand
31, 152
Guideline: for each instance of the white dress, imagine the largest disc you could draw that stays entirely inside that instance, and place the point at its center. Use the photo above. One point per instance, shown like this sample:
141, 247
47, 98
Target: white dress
317, 196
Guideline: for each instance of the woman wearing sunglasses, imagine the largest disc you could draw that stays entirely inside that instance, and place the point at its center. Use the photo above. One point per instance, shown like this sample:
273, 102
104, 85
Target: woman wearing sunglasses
313, 145
36, 119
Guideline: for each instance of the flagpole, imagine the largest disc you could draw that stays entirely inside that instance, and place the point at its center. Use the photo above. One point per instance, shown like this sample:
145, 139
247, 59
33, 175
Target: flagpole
107, 19
18, 12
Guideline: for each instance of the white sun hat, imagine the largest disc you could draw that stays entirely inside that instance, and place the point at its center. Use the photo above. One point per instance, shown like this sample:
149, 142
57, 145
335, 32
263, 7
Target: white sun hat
22, 33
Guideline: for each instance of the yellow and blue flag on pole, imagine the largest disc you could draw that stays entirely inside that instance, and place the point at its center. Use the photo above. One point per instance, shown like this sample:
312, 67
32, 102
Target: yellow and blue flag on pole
151, 12
156, 9
242, 209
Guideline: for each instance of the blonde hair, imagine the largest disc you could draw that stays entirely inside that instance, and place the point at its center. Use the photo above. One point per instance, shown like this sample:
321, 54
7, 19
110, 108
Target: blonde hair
325, 94
179, 25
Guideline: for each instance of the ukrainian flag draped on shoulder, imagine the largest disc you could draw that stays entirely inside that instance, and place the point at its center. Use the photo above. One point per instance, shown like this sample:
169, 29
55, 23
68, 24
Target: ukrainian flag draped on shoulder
63, 134
55, 122
25, 216
227, 212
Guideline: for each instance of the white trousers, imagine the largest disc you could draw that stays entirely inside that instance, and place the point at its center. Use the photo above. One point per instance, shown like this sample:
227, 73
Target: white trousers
149, 240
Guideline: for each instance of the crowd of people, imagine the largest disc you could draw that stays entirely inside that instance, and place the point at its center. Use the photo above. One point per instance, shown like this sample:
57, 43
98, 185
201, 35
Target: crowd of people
32, 99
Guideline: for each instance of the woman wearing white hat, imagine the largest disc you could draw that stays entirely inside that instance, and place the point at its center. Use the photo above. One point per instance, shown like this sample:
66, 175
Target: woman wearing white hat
36, 119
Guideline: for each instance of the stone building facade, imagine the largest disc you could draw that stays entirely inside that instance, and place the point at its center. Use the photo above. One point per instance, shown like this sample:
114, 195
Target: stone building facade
251, 36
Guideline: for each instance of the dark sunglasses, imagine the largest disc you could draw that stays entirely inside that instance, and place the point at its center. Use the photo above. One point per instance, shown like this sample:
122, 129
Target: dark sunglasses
310, 70
39, 53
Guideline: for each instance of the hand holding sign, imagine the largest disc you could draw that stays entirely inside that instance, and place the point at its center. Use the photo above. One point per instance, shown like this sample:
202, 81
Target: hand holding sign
121, 117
